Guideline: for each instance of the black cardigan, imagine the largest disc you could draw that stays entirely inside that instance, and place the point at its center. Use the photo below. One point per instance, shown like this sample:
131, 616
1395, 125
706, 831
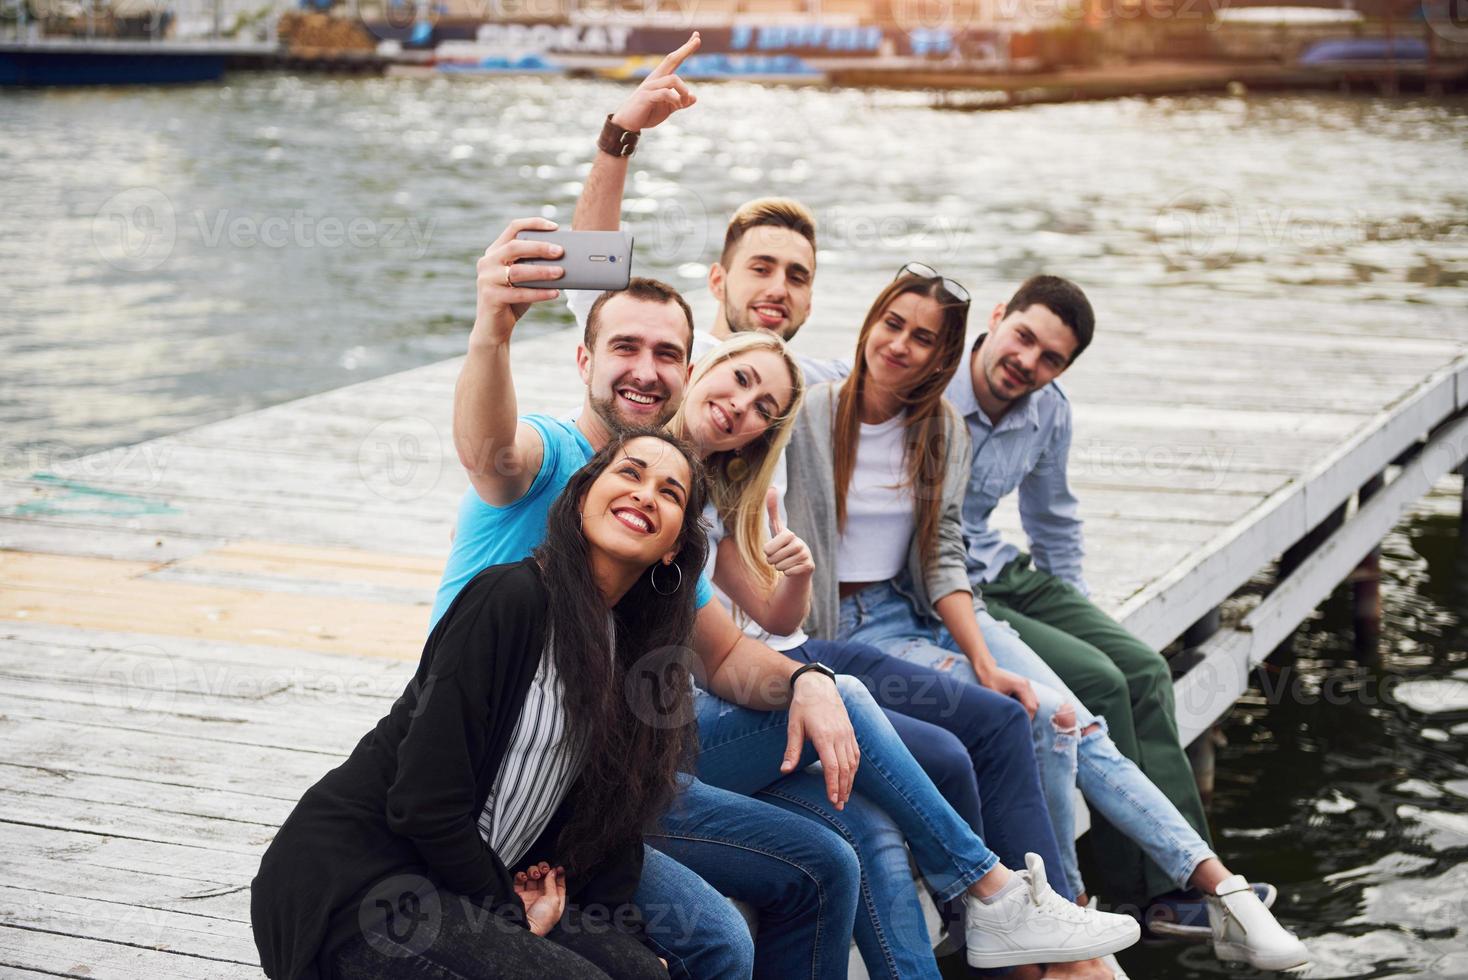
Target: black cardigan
407, 800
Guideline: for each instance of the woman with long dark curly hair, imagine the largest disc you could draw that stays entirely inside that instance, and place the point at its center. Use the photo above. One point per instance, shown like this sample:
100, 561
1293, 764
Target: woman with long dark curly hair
543, 730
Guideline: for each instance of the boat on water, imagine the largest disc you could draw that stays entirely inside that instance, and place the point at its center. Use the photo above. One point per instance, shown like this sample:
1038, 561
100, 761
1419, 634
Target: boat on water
1351, 51
45, 62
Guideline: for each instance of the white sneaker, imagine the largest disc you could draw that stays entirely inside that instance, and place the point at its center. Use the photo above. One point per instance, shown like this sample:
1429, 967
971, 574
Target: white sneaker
1032, 924
1244, 930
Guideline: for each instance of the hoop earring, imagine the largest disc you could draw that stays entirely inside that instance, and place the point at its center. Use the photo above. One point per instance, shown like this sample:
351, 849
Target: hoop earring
735, 468
652, 577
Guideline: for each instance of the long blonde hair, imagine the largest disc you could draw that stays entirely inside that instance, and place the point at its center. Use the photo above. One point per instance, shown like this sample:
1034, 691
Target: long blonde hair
739, 479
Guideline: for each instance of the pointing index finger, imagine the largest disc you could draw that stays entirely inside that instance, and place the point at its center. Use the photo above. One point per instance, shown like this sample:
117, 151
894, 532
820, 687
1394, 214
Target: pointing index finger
670, 63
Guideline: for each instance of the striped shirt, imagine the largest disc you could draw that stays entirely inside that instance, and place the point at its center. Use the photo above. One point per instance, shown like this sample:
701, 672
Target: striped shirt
538, 769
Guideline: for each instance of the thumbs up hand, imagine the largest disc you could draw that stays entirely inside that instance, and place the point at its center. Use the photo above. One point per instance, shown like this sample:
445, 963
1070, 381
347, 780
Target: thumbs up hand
788, 553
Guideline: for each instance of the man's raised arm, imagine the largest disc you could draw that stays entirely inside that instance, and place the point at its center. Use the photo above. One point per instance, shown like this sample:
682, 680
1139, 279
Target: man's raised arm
662, 93
500, 455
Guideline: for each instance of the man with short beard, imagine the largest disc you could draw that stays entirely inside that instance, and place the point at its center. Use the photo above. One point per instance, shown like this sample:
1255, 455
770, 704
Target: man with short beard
1020, 424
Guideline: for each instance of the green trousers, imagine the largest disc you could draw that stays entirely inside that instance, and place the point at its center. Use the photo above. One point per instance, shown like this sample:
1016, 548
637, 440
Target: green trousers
1123, 680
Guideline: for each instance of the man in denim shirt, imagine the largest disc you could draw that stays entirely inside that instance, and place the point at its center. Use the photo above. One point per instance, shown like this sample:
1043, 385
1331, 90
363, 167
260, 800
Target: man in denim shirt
1020, 422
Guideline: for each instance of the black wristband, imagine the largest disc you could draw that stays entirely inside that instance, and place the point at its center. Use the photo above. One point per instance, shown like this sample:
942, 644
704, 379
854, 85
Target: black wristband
819, 668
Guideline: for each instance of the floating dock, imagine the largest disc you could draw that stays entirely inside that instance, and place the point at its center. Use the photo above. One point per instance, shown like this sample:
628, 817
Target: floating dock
194, 629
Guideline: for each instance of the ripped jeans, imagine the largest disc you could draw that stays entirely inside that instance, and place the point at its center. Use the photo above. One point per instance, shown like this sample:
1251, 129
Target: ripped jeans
1111, 783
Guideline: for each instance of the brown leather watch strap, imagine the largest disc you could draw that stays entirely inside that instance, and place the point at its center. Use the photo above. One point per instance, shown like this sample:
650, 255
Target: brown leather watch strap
615, 140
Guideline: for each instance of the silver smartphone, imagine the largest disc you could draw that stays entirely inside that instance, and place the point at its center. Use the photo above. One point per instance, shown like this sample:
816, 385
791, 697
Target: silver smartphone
592, 260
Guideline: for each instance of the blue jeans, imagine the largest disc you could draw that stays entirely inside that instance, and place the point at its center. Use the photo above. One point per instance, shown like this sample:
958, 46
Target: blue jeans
890, 931
690, 924
802, 880
974, 744
883, 616
741, 750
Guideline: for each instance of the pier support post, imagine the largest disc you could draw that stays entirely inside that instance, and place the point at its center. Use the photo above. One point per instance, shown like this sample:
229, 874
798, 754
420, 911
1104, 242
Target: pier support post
1296, 554
1202, 751
1463, 516
1366, 590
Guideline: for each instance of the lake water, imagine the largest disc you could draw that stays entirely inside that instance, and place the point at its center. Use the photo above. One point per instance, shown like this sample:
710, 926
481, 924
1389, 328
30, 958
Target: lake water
182, 255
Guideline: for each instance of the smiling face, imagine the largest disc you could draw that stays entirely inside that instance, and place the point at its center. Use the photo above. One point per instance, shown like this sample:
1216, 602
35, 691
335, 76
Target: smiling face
901, 345
735, 401
637, 374
633, 512
1023, 352
766, 282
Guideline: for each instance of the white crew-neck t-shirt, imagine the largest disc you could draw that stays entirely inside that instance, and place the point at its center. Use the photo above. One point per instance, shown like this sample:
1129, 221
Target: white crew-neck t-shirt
879, 520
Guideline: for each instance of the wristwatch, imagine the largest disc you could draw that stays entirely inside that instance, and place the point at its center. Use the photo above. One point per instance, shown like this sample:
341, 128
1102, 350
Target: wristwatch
615, 140
819, 668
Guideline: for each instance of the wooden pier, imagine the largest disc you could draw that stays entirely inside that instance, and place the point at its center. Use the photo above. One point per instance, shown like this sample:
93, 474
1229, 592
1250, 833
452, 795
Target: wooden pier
194, 629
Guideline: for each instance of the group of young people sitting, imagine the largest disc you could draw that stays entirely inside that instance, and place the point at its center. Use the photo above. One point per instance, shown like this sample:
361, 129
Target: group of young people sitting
733, 564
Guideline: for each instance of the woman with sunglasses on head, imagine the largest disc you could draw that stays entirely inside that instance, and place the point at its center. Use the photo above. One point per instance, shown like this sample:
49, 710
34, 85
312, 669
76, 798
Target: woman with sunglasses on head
884, 451
526, 740
769, 575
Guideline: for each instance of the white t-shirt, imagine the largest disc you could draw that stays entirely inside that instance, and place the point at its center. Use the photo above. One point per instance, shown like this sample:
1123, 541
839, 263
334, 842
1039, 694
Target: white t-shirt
879, 520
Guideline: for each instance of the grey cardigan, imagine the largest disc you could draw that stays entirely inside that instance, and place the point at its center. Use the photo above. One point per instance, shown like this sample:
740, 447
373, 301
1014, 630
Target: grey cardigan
810, 502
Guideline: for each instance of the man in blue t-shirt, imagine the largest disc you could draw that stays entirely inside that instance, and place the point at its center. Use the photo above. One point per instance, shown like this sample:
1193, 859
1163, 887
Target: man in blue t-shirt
634, 360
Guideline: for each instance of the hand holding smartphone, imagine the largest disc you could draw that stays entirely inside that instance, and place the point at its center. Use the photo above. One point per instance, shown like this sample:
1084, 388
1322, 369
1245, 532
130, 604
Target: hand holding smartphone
595, 260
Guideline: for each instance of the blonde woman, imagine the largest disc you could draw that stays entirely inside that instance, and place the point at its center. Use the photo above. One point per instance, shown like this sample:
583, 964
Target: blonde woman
742, 398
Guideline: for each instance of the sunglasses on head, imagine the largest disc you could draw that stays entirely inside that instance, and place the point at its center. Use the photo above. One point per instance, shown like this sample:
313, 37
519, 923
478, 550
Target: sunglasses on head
923, 271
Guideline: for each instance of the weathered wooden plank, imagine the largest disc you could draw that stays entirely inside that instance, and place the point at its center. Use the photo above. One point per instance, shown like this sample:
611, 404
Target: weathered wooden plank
21, 643
211, 871
135, 925
325, 724
100, 593
57, 862
80, 789
75, 956
134, 823
57, 537
73, 746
